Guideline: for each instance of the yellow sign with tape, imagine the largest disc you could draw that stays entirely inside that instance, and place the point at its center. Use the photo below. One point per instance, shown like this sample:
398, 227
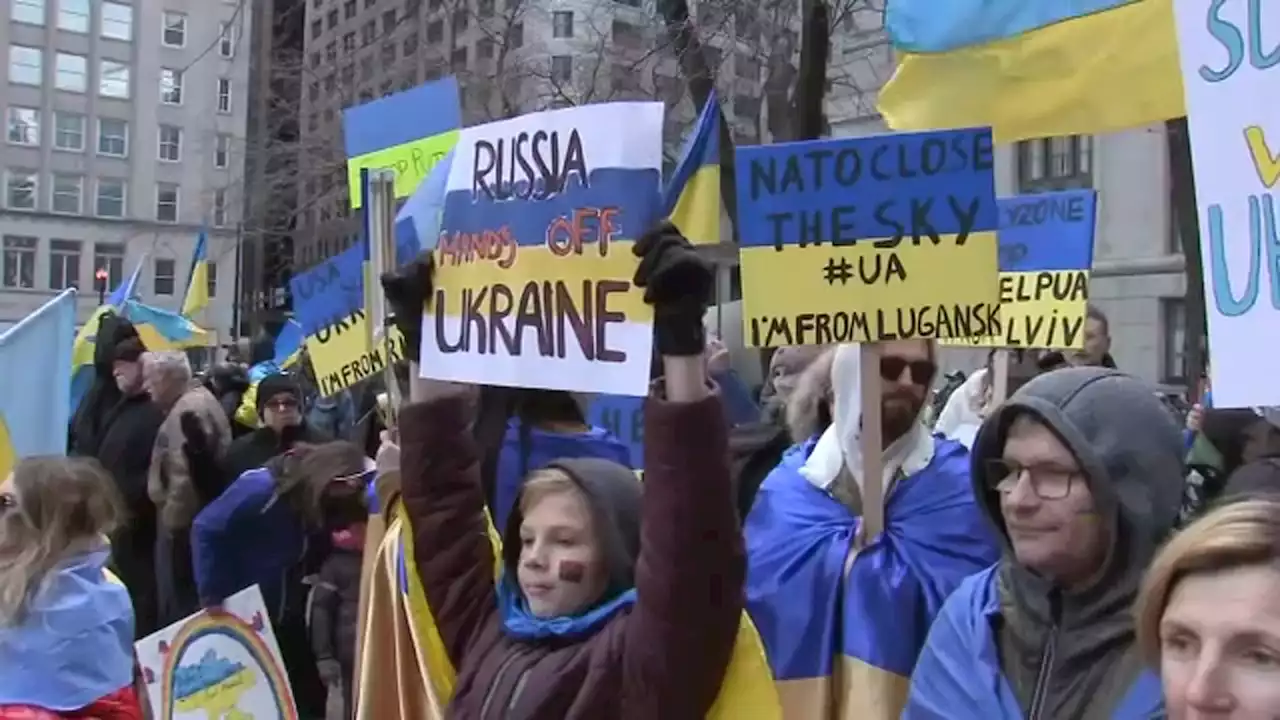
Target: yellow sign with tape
340, 356
411, 162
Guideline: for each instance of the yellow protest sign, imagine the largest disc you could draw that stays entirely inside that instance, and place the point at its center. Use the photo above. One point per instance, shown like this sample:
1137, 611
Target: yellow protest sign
340, 356
868, 239
411, 162
1044, 310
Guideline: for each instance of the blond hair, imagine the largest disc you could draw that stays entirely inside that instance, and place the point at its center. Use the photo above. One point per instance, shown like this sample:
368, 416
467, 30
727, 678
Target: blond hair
63, 506
545, 482
1235, 535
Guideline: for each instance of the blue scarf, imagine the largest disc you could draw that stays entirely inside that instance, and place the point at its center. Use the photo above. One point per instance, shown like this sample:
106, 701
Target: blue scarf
521, 624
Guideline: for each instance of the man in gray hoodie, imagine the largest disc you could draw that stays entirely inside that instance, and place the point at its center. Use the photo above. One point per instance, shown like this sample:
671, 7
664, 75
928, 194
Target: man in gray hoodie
1081, 473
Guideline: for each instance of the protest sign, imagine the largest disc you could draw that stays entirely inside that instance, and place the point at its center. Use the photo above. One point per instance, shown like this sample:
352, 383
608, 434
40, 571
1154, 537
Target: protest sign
868, 239
329, 291
408, 132
1230, 71
1046, 250
341, 356
534, 263
623, 416
222, 664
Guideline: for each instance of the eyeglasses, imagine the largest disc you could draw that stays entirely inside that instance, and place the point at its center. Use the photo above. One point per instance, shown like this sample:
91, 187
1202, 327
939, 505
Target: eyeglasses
922, 371
282, 404
1048, 482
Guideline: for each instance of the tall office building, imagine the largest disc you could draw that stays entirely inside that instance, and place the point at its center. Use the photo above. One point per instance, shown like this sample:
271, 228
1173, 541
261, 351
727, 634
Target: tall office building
124, 137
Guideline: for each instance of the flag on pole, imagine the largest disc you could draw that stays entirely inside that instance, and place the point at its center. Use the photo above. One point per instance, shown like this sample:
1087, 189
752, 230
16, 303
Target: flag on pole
196, 297
36, 351
691, 198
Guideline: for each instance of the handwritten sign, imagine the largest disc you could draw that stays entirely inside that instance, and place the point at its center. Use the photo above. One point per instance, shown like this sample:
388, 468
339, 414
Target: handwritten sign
535, 262
1230, 73
1046, 250
217, 665
868, 239
340, 355
623, 416
408, 132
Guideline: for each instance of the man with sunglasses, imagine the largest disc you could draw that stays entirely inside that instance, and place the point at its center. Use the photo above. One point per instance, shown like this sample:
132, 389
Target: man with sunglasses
1080, 471
826, 597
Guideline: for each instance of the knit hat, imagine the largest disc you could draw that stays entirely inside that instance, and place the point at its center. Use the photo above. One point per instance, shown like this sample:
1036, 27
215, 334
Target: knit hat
273, 385
128, 350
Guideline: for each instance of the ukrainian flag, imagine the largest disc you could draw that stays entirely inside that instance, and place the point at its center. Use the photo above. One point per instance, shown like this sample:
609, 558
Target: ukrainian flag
1032, 69
197, 295
161, 330
691, 198
36, 351
288, 351
82, 351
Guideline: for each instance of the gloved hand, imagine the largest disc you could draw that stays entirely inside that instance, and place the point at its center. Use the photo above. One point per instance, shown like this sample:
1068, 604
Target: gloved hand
202, 458
678, 283
408, 290
330, 671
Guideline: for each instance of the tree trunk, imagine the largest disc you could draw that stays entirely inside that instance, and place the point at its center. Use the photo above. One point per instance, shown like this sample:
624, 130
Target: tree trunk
1183, 197
811, 86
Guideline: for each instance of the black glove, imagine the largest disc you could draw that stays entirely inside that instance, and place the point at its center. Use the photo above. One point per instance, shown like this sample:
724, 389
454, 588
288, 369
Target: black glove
202, 458
408, 290
678, 283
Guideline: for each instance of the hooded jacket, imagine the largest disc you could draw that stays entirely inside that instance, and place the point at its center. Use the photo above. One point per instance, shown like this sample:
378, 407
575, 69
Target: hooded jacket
1009, 635
90, 421
632, 657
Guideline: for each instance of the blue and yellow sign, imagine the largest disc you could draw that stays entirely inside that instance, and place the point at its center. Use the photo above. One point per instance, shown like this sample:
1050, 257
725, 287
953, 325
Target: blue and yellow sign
1046, 250
868, 239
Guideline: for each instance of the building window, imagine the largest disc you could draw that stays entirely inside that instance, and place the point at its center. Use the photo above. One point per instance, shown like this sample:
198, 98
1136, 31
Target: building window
435, 31
68, 131
113, 79
220, 207
110, 257
366, 68
26, 65
19, 261
116, 21
1057, 163
388, 21
460, 21
67, 191
458, 61
23, 126
174, 30
629, 3
388, 53
333, 19
170, 86
27, 11
515, 36
368, 32
484, 8
166, 202
348, 76
224, 95
163, 281
212, 274
64, 264
222, 152
561, 69
110, 198
70, 72
1173, 321
226, 40
484, 48
562, 24
73, 15
410, 43
317, 29
627, 35
113, 137
20, 189
348, 42
349, 9
170, 143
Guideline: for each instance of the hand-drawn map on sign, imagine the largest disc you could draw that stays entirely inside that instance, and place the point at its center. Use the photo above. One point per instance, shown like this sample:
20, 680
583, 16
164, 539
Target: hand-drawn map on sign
1046, 251
218, 666
534, 263
868, 239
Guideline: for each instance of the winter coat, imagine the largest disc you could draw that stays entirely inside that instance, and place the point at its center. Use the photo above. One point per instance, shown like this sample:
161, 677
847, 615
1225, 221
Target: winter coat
169, 479
659, 650
335, 607
252, 451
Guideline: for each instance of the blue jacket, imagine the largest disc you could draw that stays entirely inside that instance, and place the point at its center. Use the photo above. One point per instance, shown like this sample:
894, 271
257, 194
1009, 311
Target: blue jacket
959, 667
248, 536
75, 644
334, 416
516, 462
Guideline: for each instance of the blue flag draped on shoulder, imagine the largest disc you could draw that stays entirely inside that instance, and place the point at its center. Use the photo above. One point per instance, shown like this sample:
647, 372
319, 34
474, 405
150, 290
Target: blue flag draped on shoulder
35, 404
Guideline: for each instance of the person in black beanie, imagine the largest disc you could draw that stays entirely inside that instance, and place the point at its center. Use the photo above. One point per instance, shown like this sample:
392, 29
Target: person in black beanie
279, 405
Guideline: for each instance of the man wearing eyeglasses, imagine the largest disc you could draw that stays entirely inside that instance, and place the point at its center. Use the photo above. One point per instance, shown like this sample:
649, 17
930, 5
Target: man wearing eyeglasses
1081, 473
279, 403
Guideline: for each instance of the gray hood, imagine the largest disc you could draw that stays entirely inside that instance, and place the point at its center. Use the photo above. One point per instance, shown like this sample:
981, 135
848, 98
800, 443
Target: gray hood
1129, 447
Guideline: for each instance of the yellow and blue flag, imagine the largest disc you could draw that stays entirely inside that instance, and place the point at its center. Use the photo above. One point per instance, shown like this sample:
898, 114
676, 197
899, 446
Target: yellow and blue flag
972, 63
196, 297
37, 351
288, 351
85, 344
691, 198
161, 330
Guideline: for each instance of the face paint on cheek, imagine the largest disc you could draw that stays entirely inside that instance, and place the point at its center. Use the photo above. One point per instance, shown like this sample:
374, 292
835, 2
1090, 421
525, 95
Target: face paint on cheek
571, 571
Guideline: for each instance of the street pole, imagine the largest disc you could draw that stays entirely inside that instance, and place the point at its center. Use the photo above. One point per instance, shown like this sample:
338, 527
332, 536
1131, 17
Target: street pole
379, 208
101, 276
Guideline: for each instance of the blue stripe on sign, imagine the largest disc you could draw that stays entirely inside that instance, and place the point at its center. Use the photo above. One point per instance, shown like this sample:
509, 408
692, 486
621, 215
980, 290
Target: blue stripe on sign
1048, 231
422, 112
